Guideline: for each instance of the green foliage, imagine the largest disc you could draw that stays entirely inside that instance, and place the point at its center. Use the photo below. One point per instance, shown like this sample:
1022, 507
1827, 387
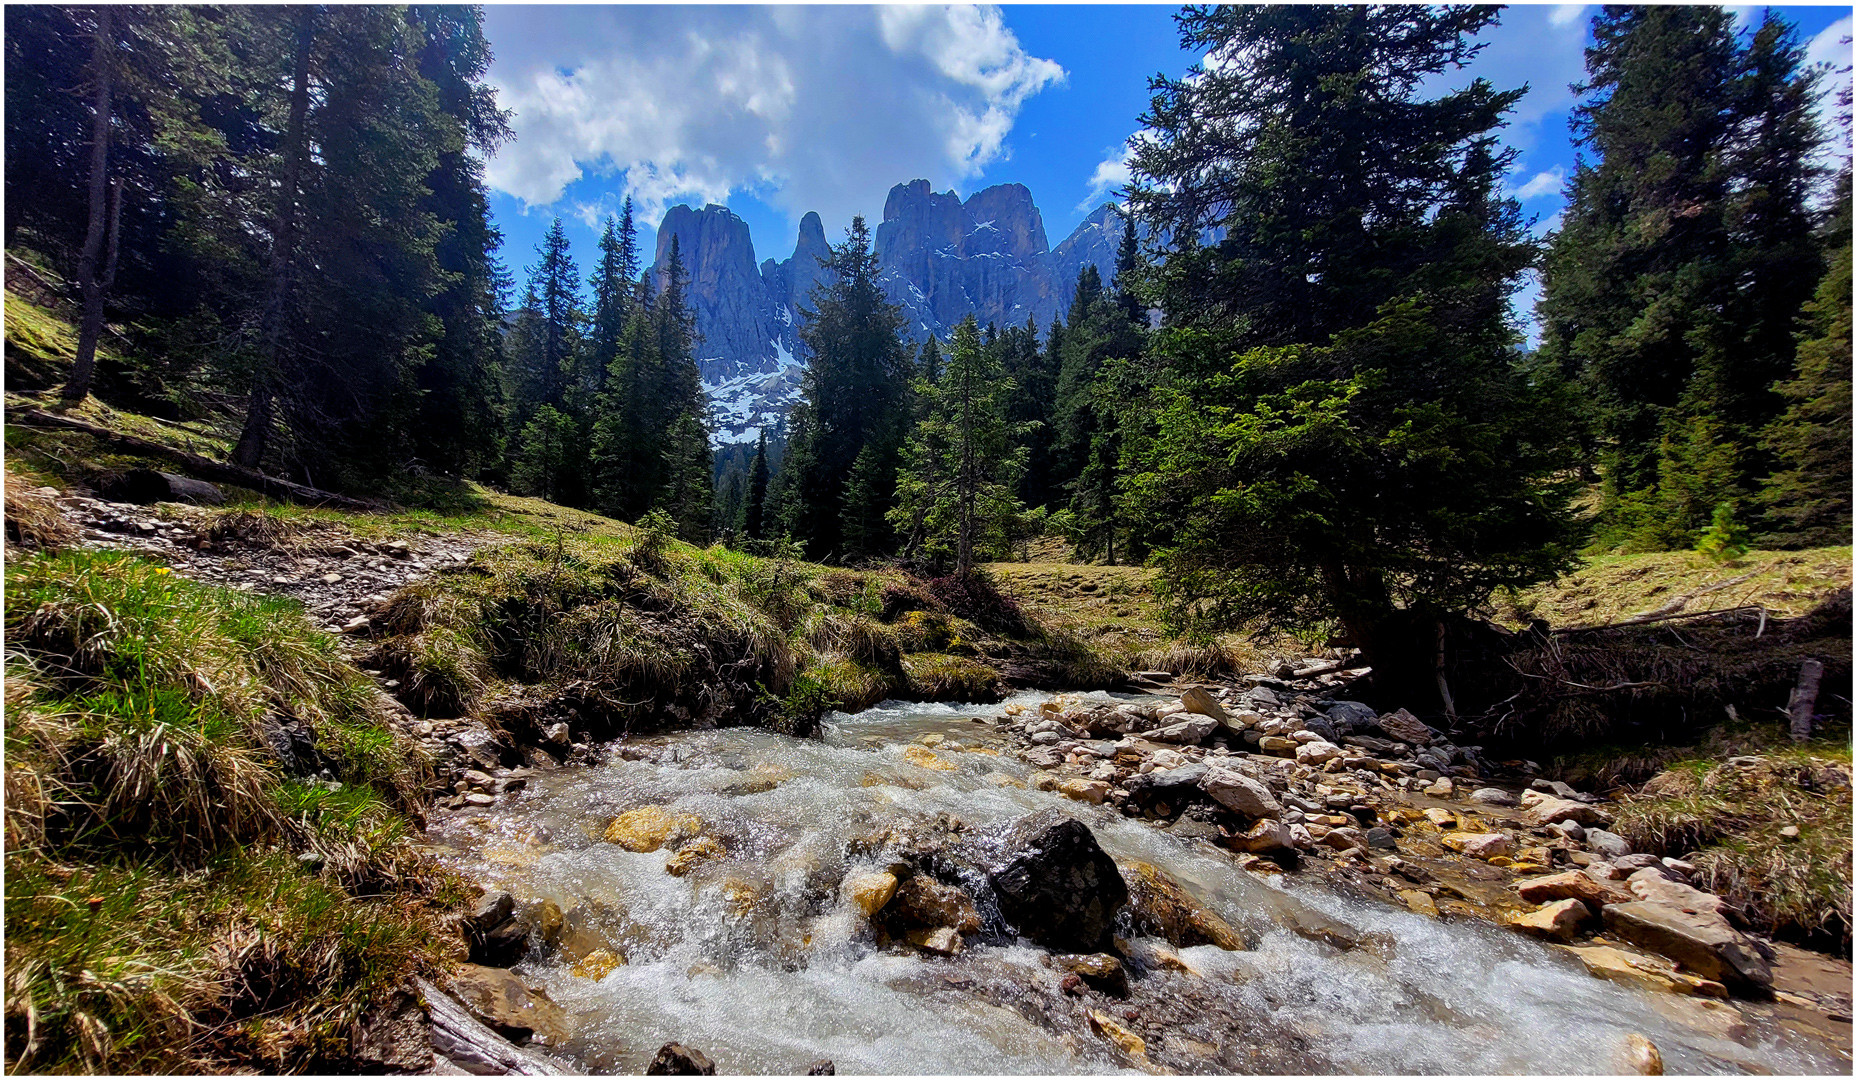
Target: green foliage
854, 395
1361, 444
547, 452
1725, 540
955, 496
1687, 250
1809, 495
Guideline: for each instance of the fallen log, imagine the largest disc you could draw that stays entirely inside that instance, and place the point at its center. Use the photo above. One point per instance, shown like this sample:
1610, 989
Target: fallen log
471, 1045
205, 468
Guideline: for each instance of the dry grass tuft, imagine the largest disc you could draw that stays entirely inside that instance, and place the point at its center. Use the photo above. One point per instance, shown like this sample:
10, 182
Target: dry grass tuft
34, 520
1727, 819
939, 677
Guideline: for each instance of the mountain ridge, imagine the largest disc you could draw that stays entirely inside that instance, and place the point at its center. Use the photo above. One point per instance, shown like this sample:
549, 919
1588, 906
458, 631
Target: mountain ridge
941, 258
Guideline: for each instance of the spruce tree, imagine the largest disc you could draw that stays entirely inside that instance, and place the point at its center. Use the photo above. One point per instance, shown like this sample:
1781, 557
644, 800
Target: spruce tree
754, 509
1686, 253
854, 394
1344, 434
1808, 498
955, 491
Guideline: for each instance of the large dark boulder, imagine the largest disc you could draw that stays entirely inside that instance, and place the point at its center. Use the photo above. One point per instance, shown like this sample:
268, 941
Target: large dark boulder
1055, 885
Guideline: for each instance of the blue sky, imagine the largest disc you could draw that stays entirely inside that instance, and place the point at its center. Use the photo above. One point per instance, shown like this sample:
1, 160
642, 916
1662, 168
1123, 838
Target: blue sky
777, 111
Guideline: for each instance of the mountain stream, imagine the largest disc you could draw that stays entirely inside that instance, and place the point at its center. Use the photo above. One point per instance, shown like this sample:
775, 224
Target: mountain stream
755, 959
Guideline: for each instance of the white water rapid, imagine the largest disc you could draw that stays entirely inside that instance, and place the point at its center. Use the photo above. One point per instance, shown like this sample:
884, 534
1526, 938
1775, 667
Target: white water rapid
754, 958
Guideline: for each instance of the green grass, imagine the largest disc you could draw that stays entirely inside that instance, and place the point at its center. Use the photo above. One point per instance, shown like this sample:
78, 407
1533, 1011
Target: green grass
1610, 588
178, 896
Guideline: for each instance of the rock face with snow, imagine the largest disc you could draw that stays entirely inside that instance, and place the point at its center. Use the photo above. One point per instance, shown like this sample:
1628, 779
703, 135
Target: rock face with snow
939, 257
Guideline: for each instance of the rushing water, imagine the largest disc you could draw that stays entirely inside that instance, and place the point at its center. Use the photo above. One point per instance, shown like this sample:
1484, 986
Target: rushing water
754, 959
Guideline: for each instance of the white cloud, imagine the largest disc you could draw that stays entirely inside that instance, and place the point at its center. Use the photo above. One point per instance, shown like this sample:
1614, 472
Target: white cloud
1566, 14
1111, 174
1544, 183
811, 108
1832, 46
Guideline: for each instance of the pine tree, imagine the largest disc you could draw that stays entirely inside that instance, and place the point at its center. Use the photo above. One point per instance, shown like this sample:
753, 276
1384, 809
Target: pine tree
1809, 496
614, 292
955, 491
1686, 253
754, 510
854, 395
1344, 434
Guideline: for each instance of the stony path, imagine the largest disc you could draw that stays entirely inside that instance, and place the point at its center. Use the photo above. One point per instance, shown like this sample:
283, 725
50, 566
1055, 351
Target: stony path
339, 576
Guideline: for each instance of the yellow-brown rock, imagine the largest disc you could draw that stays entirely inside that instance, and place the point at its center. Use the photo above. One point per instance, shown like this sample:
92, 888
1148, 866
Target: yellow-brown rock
1160, 905
1640, 1056
597, 964
692, 853
869, 892
649, 828
1118, 1036
924, 758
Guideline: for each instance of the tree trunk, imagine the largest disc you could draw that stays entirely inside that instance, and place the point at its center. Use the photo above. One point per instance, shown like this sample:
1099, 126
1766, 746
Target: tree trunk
89, 272
252, 440
1805, 699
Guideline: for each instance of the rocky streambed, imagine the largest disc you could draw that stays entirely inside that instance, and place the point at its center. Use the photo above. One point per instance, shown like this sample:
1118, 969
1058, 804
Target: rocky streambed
908, 895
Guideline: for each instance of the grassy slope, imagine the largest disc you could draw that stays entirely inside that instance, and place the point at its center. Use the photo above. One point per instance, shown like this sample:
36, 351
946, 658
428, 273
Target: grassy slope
177, 899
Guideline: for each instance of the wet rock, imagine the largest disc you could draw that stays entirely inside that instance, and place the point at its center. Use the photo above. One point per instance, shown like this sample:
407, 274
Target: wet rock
1236, 791
942, 940
822, 1067
924, 903
649, 828
870, 892
1419, 903
692, 854
1482, 845
507, 1005
1560, 920
1491, 796
1186, 732
1161, 906
924, 758
597, 964
676, 1059
1607, 844
1089, 791
496, 937
1440, 788
1701, 943
1055, 885
1105, 1026
1100, 971
1379, 839
1640, 1056
1267, 837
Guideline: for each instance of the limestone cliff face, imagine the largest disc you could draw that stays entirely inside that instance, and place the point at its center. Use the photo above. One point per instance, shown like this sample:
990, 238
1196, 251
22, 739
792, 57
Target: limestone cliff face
734, 319
939, 257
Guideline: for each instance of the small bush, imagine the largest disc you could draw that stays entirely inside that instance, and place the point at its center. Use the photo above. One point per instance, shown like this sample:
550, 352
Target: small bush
939, 677
974, 596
